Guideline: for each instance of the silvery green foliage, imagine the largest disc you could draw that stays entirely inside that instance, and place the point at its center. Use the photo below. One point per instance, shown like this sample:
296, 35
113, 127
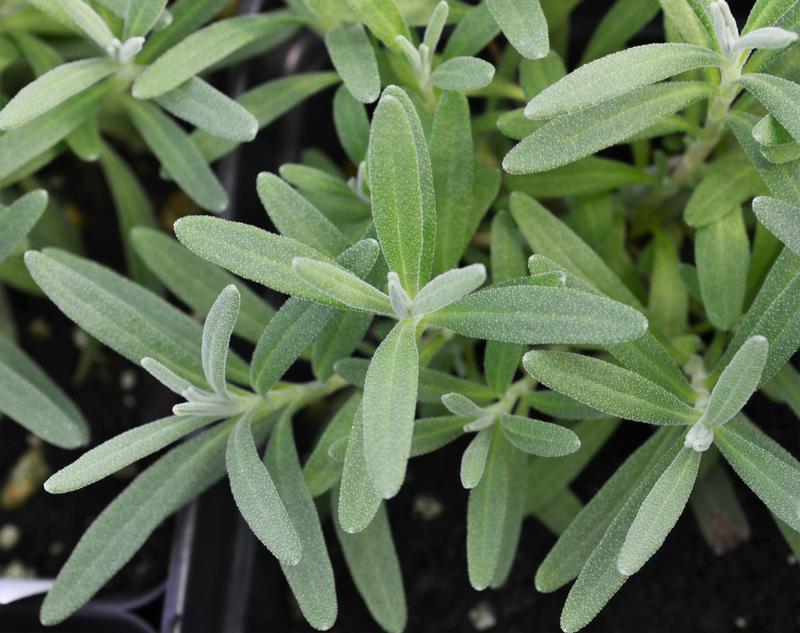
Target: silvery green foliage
449, 283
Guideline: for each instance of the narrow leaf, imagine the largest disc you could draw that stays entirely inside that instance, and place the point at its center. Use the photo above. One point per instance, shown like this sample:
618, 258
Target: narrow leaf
123, 450
576, 135
659, 512
31, 398
358, 501
738, 382
53, 88
524, 24
311, 580
199, 103
217, 332
178, 154
539, 438
608, 388
256, 496
538, 315
783, 220
618, 74
463, 74
353, 58
473, 461
390, 396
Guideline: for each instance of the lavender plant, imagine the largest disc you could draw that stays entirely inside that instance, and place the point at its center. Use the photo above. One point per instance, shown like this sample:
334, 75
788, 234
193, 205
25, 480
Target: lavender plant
418, 281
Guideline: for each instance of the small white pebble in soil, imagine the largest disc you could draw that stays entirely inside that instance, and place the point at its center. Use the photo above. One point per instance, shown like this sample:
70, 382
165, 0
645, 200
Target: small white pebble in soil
482, 616
79, 338
56, 548
17, 569
39, 328
9, 536
739, 622
127, 379
791, 560
128, 401
427, 507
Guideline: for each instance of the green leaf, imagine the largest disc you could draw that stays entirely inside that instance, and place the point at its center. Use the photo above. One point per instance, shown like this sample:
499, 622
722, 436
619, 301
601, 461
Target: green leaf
352, 125
250, 252
447, 288
783, 180
311, 580
31, 398
774, 314
524, 24
668, 303
486, 513
431, 434
576, 135
722, 254
383, 19
338, 339
729, 182
297, 218
296, 325
659, 512
204, 48
134, 209
199, 103
256, 496
538, 315
691, 21
342, 286
88, 21
17, 220
53, 88
196, 282
29, 142
779, 96
452, 161
217, 332
766, 468
178, 154
266, 103
782, 220
473, 461
128, 318
608, 388
142, 16
737, 383
621, 22
648, 357
569, 555
617, 75
358, 501
550, 237
717, 509
187, 17
432, 384
766, 13
372, 560
123, 450
600, 579
320, 472
390, 398
124, 525
353, 58
399, 175
547, 479
584, 177
539, 438
463, 74
473, 33
561, 407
